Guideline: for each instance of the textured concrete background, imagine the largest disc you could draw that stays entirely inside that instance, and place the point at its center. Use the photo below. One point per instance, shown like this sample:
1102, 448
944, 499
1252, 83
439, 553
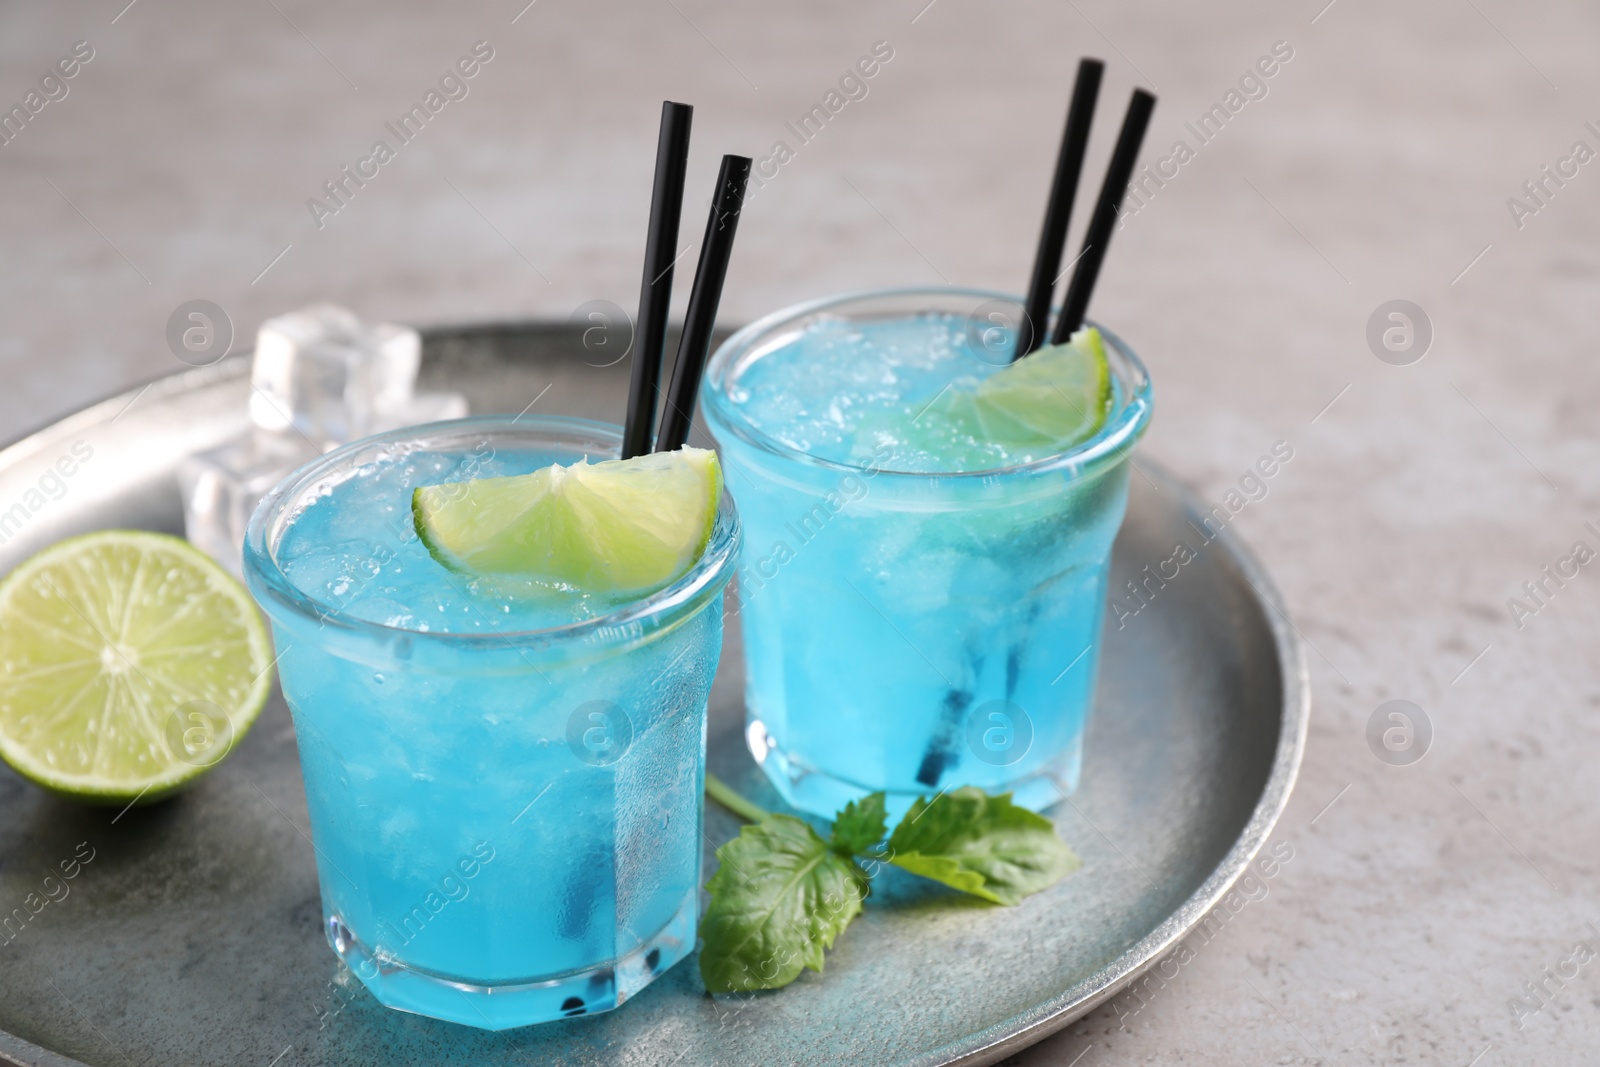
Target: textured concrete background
1420, 899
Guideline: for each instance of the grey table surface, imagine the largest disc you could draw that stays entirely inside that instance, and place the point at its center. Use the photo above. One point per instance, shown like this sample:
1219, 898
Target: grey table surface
1436, 912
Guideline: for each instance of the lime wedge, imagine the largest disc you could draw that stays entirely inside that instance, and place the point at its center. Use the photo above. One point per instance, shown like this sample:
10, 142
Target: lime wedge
619, 526
1053, 398
130, 664
1045, 403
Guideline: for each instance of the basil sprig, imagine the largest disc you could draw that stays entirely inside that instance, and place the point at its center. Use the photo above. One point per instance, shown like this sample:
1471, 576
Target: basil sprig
782, 894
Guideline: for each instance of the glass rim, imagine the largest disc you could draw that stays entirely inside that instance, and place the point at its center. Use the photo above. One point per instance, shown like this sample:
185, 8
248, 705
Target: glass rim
1121, 431
703, 580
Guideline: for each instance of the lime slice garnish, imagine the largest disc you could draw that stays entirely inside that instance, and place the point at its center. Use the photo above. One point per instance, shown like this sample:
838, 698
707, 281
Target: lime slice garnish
1045, 403
130, 664
1054, 398
619, 526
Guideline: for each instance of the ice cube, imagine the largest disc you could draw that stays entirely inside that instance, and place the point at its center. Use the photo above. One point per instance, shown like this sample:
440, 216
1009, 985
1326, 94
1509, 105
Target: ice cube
330, 376
222, 486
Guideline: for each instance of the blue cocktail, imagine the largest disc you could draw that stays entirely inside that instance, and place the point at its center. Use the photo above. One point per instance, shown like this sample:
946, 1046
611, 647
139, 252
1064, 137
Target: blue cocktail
504, 789
921, 609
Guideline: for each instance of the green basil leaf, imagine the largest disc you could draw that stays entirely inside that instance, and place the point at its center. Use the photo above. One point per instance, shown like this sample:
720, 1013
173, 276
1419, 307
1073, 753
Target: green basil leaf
778, 900
983, 845
860, 825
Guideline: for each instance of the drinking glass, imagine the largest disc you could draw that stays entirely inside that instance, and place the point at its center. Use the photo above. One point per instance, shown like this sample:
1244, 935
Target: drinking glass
914, 632
506, 824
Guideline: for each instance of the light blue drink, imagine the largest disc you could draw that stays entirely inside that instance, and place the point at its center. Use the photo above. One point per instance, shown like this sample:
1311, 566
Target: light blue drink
504, 792
914, 620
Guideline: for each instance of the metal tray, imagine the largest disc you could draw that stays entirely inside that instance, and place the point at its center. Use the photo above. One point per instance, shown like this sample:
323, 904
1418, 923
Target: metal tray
192, 934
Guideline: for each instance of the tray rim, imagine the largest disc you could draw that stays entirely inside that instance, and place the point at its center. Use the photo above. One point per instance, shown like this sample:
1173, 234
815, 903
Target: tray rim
1058, 1012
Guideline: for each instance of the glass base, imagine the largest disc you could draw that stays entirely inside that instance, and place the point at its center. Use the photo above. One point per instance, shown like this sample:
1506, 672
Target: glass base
519, 1002
819, 793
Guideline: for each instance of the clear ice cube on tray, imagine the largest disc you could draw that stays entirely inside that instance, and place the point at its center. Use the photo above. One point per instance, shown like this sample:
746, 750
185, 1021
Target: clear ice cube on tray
222, 486
323, 372
322, 378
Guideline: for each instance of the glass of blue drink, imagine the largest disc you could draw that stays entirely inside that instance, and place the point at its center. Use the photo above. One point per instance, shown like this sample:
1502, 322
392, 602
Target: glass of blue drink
504, 790
921, 608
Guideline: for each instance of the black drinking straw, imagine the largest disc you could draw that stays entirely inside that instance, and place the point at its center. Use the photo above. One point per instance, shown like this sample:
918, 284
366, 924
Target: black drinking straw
701, 317
1058, 210
1123, 157
655, 291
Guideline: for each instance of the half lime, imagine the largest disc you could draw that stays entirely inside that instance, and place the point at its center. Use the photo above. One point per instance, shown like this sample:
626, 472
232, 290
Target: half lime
130, 664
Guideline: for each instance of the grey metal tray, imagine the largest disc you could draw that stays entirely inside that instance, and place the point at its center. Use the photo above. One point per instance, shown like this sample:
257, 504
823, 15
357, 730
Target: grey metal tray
193, 934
